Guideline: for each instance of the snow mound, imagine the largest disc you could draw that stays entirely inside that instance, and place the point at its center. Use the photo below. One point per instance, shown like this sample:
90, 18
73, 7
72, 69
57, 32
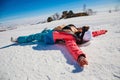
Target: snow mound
38, 61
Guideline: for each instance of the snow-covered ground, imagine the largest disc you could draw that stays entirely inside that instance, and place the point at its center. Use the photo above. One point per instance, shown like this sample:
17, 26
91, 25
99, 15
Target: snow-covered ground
38, 61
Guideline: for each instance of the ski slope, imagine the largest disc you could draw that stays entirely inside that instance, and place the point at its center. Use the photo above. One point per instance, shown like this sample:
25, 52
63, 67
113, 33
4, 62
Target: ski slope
39, 61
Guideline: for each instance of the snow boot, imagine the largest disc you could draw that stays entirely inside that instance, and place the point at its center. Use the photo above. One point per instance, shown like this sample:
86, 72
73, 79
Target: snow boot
13, 39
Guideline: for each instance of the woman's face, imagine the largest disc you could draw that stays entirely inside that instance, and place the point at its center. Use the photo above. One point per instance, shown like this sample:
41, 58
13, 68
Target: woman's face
79, 29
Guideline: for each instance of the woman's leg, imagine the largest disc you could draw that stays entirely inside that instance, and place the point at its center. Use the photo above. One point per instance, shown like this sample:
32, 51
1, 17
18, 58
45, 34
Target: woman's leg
33, 37
29, 38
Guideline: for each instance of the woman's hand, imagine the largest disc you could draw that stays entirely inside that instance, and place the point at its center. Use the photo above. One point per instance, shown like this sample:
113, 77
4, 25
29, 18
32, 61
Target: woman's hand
82, 61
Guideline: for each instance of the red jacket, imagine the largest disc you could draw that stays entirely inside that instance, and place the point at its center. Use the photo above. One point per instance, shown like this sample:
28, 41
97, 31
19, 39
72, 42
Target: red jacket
70, 42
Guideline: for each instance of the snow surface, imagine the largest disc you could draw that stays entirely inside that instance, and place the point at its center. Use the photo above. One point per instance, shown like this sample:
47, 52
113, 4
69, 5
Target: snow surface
38, 61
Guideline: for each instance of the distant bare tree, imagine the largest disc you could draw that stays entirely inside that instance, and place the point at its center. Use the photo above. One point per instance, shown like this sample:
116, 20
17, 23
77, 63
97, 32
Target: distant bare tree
70, 14
84, 8
109, 11
89, 11
64, 14
56, 16
116, 8
49, 19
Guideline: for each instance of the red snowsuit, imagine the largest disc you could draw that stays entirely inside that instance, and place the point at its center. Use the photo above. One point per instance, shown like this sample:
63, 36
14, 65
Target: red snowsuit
70, 42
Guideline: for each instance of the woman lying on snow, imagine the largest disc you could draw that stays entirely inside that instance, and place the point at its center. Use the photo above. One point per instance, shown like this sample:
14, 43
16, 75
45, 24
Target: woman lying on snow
68, 34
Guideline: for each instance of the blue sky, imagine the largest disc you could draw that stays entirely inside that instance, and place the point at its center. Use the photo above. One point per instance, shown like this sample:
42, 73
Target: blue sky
10, 9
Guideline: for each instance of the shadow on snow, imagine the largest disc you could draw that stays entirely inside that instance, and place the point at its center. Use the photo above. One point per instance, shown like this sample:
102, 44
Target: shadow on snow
61, 47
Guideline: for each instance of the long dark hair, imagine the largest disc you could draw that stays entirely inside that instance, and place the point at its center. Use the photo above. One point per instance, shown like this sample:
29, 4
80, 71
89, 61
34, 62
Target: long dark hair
80, 35
69, 26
